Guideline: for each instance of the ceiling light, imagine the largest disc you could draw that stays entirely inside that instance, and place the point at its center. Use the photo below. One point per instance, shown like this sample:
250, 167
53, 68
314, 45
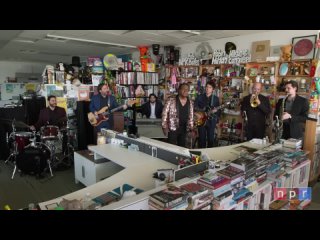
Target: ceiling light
89, 41
24, 40
190, 31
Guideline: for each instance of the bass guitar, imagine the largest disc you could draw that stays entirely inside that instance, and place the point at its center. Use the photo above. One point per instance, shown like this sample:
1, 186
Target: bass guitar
200, 118
103, 113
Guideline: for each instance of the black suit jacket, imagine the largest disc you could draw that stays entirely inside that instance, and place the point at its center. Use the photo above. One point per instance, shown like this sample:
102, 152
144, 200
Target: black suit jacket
299, 114
146, 109
256, 116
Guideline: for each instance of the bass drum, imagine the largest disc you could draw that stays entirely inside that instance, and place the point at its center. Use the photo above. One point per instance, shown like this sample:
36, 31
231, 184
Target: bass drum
34, 159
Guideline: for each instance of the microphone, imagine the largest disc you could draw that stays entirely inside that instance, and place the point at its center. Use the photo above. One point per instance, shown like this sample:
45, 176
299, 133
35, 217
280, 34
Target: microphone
7, 137
277, 121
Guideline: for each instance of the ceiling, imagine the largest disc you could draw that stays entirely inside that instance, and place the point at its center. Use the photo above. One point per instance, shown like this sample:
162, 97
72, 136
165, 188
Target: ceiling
53, 46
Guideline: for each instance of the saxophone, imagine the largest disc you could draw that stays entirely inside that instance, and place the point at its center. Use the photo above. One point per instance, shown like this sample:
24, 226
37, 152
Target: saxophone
279, 121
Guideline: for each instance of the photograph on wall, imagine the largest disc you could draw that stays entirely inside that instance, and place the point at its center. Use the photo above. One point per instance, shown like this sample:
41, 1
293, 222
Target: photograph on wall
303, 47
260, 50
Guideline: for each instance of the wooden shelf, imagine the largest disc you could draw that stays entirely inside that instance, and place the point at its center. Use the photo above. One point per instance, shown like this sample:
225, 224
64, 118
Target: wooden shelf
263, 75
306, 76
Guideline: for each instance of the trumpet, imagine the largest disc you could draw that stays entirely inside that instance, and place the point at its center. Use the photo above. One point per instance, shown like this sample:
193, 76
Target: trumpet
253, 101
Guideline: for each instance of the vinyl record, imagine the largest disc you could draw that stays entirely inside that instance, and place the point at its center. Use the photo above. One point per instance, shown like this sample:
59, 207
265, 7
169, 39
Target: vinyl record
303, 47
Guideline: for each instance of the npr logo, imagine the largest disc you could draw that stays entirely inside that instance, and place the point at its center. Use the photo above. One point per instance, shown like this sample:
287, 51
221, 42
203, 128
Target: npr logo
292, 193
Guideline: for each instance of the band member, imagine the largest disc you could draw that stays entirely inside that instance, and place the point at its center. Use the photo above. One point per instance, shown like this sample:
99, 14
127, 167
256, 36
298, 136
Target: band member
256, 108
153, 108
293, 112
104, 98
177, 116
52, 115
205, 101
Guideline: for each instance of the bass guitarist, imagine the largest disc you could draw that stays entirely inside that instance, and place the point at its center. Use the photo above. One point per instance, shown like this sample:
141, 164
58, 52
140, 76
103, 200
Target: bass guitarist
103, 99
207, 102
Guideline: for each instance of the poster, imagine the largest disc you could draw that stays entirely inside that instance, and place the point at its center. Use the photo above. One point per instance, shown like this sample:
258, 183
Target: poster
62, 102
9, 88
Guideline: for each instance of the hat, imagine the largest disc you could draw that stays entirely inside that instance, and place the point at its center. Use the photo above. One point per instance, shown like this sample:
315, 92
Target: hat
229, 47
76, 61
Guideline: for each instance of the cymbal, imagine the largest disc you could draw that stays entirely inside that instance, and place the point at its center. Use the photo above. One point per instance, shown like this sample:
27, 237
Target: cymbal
18, 124
63, 119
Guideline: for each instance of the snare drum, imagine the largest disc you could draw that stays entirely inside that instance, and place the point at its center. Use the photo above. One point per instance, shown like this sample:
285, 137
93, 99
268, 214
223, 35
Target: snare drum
22, 139
49, 132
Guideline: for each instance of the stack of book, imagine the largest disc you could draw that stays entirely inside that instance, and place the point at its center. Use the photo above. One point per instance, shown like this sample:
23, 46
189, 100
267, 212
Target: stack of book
292, 143
293, 159
218, 184
199, 197
223, 201
230, 172
171, 198
278, 204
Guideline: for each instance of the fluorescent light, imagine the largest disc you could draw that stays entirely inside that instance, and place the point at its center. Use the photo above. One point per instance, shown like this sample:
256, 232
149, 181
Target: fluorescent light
24, 40
89, 41
190, 31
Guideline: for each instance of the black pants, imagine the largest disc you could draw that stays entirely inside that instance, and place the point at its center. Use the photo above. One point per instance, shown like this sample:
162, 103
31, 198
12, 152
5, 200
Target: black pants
256, 131
286, 131
206, 135
178, 137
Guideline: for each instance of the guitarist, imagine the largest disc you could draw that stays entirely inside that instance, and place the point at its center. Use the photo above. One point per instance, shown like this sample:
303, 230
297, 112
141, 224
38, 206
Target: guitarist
204, 102
104, 98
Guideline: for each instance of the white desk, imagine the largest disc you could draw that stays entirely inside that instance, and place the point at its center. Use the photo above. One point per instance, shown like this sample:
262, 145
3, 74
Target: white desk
139, 167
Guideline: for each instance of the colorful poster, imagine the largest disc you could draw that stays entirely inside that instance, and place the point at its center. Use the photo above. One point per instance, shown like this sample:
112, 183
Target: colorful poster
62, 102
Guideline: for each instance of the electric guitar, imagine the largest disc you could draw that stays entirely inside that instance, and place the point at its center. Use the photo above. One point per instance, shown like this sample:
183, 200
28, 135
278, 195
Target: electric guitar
200, 118
103, 113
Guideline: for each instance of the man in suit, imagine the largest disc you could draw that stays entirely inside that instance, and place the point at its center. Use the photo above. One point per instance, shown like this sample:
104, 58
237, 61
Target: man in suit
153, 108
294, 112
51, 115
202, 102
104, 98
257, 115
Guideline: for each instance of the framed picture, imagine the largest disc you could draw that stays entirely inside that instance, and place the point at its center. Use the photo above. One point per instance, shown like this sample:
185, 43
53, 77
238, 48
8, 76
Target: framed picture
303, 47
260, 50
275, 51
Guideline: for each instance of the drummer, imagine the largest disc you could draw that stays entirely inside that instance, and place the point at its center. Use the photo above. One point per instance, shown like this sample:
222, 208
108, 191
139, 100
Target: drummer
51, 115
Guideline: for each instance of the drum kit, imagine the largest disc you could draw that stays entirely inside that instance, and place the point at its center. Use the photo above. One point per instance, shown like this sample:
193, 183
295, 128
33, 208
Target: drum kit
35, 152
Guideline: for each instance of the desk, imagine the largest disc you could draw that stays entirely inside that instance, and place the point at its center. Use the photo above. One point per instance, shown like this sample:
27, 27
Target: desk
139, 167
138, 172
150, 128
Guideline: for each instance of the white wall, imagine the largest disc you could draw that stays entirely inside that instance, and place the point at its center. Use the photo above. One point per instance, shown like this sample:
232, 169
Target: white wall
278, 37
9, 69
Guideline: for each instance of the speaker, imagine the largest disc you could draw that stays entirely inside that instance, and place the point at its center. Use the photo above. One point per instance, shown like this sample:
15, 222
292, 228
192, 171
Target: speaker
85, 130
32, 108
155, 49
176, 55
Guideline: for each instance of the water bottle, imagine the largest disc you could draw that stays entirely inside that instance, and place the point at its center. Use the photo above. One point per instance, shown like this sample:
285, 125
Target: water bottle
267, 139
86, 202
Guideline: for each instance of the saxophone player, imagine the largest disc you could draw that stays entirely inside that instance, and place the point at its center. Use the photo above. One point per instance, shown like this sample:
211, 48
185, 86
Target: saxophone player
256, 108
293, 112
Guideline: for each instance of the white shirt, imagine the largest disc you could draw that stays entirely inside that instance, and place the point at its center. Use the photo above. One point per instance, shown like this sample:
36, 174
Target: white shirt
153, 110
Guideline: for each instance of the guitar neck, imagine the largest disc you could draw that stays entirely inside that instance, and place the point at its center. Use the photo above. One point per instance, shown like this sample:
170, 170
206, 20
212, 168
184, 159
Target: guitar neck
113, 110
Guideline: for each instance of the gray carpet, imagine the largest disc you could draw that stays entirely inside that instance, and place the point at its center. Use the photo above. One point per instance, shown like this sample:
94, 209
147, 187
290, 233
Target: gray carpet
25, 189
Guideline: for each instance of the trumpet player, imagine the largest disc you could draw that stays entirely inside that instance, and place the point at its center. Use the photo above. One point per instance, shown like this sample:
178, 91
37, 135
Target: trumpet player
256, 108
293, 112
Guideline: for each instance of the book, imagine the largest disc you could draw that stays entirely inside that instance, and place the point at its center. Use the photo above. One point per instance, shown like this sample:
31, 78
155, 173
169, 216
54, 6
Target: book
230, 172
168, 197
243, 163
